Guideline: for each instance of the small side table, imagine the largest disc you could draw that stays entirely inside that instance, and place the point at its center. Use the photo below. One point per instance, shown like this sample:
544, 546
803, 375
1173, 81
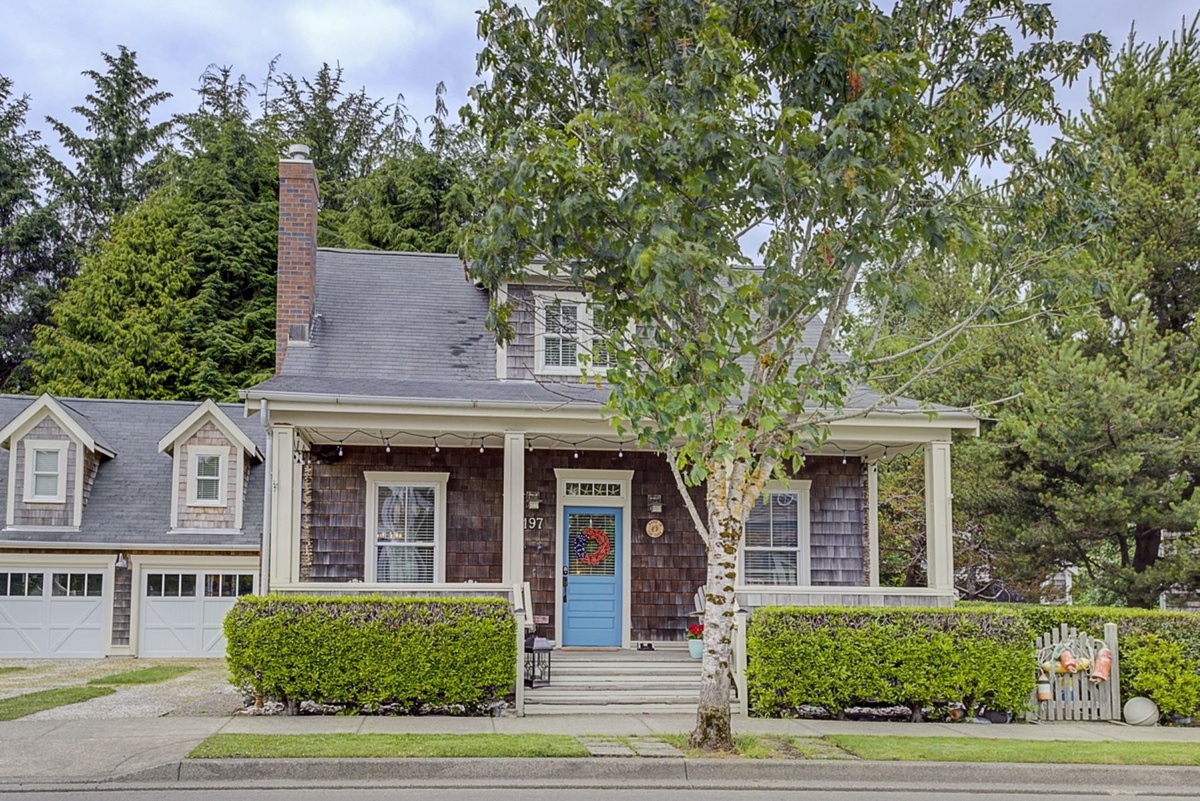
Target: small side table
537, 662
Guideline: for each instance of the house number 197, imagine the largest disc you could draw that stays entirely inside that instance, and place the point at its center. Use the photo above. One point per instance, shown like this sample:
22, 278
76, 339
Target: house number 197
532, 523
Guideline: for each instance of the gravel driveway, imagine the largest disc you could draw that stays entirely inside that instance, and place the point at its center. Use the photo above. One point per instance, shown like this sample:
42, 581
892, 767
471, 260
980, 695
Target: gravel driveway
203, 691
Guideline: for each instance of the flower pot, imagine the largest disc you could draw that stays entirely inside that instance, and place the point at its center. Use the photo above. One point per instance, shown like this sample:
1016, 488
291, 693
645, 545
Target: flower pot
696, 648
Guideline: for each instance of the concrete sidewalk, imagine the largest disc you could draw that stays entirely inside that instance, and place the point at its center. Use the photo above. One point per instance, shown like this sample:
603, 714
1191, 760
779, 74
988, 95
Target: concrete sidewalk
106, 750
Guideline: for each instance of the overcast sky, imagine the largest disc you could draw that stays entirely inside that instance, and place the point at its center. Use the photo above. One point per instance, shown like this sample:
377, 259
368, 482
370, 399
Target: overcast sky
388, 46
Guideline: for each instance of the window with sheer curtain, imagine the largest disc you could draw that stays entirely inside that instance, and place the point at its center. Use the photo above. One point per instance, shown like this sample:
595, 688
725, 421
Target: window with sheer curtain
408, 527
775, 550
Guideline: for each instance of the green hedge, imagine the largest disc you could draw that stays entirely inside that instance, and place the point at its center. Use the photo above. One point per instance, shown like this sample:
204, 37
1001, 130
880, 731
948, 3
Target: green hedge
841, 657
420, 653
1160, 651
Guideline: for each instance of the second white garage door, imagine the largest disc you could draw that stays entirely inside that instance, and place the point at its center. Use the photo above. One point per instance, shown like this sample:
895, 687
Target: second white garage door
183, 612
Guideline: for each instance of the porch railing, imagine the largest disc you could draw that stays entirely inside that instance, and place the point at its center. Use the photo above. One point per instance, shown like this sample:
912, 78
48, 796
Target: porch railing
522, 599
740, 618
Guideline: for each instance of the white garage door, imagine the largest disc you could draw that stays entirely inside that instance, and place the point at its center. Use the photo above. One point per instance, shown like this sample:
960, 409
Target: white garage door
183, 612
46, 612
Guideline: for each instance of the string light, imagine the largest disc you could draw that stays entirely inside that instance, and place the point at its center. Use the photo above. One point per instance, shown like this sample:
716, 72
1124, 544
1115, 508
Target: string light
384, 440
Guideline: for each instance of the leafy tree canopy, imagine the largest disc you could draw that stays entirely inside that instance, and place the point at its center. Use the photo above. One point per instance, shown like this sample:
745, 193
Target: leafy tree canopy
634, 143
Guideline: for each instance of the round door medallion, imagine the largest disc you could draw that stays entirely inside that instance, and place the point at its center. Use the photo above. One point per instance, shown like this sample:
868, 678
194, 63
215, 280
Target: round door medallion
654, 529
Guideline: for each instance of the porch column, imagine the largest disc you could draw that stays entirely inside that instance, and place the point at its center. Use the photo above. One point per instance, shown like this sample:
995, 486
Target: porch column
514, 508
938, 521
285, 480
873, 521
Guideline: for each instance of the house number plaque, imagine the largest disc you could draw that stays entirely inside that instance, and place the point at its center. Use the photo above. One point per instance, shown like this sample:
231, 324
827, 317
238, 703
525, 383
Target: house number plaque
654, 529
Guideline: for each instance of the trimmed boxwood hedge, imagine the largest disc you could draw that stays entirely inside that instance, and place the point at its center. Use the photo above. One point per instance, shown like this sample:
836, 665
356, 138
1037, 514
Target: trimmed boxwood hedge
417, 653
841, 657
1160, 651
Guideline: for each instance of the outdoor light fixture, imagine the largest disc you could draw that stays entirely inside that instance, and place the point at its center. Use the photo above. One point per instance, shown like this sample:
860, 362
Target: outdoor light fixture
621, 451
655, 503
533, 500
340, 450
388, 447
576, 451
436, 448
121, 563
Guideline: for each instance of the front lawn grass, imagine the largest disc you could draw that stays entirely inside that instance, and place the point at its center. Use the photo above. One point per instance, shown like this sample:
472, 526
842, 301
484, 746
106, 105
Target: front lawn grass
150, 675
21, 705
6, 670
374, 746
971, 749
763, 746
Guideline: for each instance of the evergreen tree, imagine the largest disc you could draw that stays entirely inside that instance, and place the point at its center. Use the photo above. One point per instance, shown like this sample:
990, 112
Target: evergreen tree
35, 255
348, 133
179, 302
1145, 108
116, 155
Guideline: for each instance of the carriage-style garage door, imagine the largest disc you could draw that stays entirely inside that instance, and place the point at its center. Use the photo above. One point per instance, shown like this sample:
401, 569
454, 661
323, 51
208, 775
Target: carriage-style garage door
53, 612
183, 611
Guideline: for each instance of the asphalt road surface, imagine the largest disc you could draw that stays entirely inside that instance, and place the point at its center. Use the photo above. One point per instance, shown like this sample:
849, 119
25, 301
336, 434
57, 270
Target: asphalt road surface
528, 794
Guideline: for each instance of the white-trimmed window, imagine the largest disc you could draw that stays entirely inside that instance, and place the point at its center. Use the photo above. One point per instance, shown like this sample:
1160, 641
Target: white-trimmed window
206, 475
45, 471
776, 549
566, 335
406, 527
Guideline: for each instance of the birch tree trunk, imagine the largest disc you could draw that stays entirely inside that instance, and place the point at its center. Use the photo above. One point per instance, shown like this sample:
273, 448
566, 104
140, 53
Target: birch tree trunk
732, 489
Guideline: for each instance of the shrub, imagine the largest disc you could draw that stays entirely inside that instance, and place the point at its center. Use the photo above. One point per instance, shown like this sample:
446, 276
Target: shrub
837, 658
1159, 651
419, 653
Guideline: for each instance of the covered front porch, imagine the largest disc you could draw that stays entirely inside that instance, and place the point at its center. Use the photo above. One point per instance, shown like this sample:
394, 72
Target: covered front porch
585, 534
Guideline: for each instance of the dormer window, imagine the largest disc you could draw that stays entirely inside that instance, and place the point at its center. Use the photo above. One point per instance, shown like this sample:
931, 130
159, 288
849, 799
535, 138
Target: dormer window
46, 475
207, 479
567, 335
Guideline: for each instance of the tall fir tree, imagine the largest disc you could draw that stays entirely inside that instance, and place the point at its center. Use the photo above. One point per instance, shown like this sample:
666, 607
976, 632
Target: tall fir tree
116, 154
179, 302
35, 252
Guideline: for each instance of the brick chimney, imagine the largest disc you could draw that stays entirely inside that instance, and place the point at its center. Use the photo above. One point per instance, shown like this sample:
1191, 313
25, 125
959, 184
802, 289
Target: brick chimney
296, 279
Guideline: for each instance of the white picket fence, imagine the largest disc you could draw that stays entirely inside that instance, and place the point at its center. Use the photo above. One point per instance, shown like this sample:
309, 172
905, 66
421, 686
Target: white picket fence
1076, 696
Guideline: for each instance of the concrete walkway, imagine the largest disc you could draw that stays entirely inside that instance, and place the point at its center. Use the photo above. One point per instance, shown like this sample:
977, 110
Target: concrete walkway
42, 751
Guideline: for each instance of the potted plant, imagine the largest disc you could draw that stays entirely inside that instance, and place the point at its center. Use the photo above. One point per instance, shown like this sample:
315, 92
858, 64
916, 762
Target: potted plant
695, 636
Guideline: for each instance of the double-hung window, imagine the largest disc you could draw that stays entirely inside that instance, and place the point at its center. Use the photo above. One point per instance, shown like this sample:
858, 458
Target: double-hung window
406, 531
775, 550
567, 335
46, 472
206, 476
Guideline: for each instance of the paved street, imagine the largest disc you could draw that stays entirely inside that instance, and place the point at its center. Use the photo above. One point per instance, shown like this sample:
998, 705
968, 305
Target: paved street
489, 794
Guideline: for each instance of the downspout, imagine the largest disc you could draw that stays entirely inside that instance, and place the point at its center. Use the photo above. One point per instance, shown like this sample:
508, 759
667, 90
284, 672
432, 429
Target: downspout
264, 552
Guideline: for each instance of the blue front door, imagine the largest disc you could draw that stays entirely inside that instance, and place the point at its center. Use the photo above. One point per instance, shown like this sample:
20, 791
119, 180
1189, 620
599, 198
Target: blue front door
592, 580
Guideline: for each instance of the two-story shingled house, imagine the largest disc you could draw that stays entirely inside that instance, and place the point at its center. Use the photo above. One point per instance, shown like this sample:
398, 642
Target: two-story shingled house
407, 452
127, 528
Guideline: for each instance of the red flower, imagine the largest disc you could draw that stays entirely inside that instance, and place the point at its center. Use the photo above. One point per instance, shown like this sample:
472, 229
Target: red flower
696, 631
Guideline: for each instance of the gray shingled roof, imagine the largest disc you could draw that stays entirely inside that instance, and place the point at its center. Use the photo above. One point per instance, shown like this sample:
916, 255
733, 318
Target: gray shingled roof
395, 317
410, 327
130, 500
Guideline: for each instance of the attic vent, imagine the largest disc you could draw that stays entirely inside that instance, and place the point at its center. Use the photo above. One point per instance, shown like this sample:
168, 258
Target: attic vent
298, 151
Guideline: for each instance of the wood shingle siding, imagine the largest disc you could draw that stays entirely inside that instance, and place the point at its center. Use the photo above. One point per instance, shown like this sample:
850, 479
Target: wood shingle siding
208, 516
837, 521
44, 514
334, 511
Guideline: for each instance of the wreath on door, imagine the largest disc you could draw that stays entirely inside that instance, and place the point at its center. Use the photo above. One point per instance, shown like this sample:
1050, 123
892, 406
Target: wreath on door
591, 558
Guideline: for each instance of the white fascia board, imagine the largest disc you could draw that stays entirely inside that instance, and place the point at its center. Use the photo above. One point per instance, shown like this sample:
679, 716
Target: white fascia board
208, 410
47, 403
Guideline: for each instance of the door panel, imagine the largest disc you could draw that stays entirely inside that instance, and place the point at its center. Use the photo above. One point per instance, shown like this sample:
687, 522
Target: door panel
592, 586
